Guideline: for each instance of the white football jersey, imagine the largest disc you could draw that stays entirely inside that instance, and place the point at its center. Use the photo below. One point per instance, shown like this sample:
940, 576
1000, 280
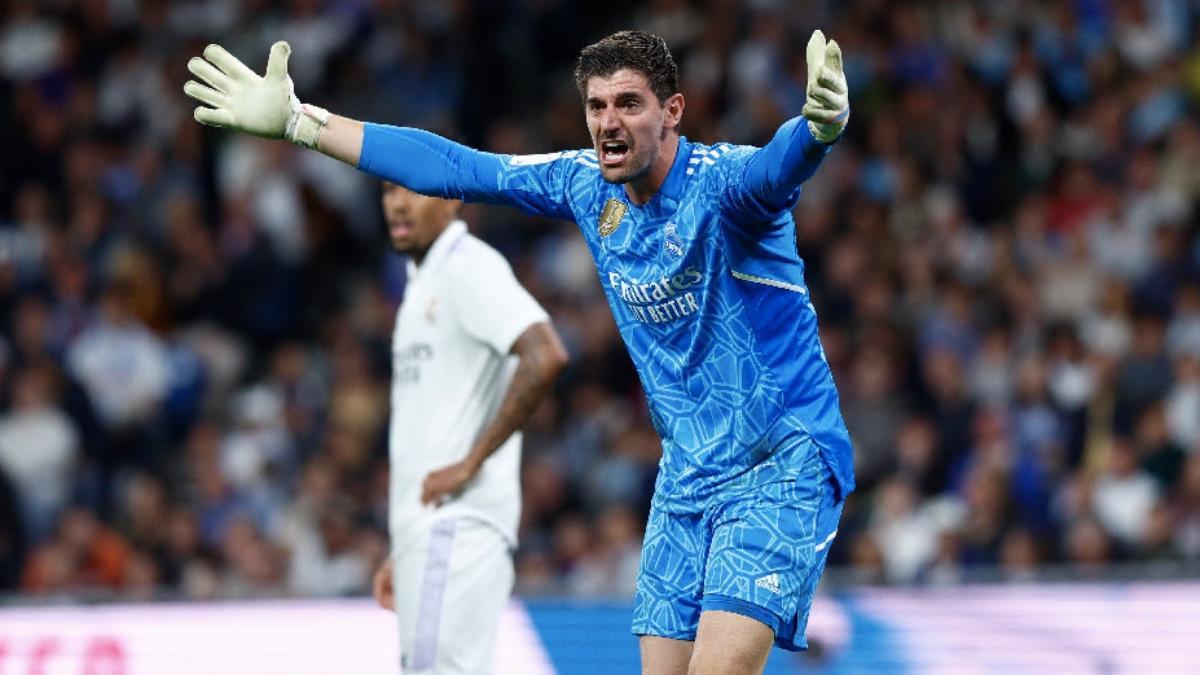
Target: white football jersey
462, 311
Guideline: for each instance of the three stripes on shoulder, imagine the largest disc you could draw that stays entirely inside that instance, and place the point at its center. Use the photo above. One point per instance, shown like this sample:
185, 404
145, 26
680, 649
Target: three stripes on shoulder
707, 156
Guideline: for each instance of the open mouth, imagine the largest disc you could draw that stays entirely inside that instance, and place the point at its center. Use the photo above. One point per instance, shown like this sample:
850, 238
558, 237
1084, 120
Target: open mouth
399, 228
613, 152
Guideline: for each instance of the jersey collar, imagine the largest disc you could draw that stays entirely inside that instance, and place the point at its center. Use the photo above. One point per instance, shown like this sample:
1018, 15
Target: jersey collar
673, 186
677, 176
446, 242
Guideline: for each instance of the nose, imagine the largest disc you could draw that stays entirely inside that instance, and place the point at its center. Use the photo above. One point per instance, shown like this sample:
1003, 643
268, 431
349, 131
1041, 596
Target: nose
396, 206
397, 199
608, 121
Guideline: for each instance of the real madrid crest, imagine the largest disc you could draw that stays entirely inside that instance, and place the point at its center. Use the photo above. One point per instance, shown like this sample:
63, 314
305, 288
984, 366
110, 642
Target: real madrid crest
672, 242
610, 217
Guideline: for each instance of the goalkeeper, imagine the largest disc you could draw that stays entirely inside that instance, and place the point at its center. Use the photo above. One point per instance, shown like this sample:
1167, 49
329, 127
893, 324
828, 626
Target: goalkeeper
695, 250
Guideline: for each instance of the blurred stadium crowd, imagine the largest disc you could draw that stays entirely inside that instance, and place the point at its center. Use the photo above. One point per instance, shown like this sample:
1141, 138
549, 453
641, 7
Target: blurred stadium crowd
195, 345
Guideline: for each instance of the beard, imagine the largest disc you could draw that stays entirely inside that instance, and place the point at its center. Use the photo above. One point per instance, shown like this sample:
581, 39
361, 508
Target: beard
638, 164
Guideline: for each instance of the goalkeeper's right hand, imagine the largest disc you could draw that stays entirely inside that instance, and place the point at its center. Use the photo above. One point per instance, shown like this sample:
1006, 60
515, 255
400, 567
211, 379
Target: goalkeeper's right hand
241, 100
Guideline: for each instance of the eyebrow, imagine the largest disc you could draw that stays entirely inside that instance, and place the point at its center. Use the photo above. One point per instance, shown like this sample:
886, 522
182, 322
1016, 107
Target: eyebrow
620, 96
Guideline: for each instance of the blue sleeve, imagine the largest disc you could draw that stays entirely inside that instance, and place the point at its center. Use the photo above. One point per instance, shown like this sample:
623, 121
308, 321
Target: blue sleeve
771, 178
432, 165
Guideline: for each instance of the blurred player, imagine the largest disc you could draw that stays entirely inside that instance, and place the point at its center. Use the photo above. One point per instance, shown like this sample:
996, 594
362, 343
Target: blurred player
695, 249
455, 450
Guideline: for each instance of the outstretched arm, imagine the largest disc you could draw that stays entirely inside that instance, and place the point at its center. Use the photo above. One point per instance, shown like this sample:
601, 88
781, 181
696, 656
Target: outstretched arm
419, 160
235, 97
541, 358
774, 173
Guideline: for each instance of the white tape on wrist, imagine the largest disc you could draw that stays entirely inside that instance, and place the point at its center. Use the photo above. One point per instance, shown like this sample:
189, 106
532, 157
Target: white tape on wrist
305, 124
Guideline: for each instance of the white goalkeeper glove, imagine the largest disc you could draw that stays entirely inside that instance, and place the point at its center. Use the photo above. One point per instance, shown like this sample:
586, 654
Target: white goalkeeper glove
828, 106
241, 100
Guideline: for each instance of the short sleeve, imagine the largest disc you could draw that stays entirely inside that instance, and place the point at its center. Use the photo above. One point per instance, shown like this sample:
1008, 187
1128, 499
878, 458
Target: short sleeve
488, 301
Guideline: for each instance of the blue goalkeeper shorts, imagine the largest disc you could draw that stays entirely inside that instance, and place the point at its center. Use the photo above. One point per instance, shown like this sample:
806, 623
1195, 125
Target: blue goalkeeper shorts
759, 554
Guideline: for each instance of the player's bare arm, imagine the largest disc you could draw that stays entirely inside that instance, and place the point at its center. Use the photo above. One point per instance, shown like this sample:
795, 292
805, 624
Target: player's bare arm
541, 357
342, 139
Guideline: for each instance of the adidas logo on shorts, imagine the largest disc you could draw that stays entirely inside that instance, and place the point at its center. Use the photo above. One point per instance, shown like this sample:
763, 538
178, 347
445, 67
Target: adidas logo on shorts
769, 583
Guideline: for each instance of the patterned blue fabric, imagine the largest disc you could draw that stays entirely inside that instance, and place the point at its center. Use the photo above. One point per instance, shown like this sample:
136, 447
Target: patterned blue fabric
706, 288
759, 554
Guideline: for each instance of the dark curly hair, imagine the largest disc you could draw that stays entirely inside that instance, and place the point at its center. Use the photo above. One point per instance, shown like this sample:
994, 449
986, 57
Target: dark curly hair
634, 49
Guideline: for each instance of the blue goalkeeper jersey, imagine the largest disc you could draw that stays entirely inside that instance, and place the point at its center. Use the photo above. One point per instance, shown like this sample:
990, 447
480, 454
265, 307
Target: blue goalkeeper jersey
705, 285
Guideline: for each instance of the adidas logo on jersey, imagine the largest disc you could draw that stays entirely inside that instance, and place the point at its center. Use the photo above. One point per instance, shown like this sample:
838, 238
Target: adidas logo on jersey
769, 583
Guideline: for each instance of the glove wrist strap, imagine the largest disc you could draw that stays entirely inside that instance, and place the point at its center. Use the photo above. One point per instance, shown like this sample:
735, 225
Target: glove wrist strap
305, 125
825, 133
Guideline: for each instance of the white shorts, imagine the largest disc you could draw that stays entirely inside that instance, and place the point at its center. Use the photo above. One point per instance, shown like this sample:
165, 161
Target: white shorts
451, 583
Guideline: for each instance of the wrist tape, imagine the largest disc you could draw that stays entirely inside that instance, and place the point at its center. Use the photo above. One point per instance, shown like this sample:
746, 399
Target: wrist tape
305, 124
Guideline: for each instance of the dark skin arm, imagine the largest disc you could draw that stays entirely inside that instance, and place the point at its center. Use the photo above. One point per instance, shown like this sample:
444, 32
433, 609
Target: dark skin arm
541, 357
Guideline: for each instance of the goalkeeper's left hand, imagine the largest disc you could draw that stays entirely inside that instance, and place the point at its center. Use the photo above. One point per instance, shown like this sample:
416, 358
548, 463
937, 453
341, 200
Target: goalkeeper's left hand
828, 106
